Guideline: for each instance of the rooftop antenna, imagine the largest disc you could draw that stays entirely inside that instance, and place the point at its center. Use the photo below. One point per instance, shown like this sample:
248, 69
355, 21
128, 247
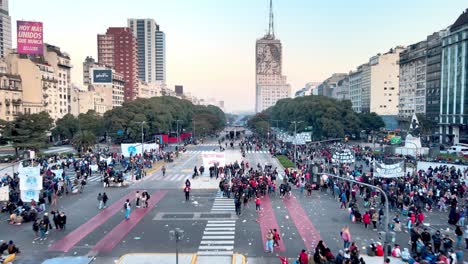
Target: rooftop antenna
271, 25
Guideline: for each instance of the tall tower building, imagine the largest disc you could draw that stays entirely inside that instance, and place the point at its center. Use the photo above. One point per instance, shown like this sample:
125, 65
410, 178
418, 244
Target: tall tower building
5, 28
118, 49
151, 49
271, 85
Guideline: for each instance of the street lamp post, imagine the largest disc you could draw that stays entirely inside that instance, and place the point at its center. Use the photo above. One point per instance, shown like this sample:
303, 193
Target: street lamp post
177, 234
178, 135
295, 139
387, 234
193, 129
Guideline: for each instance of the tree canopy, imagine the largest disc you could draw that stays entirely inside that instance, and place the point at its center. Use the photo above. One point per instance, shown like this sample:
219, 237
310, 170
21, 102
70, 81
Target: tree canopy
325, 117
29, 131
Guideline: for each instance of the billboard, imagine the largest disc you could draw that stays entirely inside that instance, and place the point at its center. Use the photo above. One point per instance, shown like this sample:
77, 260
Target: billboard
135, 148
29, 37
102, 76
268, 58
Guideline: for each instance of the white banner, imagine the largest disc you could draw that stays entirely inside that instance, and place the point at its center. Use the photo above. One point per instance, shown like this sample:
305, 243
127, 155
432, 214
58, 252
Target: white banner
130, 149
58, 173
28, 195
108, 160
135, 148
30, 177
389, 170
4, 193
93, 167
210, 158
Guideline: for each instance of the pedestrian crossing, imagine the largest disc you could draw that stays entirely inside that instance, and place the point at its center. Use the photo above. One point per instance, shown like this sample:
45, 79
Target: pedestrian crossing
218, 238
171, 177
209, 151
223, 204
209, 145
93, 178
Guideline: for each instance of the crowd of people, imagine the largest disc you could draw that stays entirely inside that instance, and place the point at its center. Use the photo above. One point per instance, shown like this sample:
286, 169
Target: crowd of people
440, 189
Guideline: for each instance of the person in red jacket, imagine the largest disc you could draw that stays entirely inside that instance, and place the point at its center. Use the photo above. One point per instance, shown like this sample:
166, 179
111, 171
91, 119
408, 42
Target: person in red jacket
257, 204
366, 219
421, 218
303, 257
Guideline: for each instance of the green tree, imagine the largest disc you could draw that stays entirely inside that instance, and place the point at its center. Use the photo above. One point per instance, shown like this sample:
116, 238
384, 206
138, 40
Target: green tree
91, 122
84, 140
66, 127
29, 131
371, 121
426, 125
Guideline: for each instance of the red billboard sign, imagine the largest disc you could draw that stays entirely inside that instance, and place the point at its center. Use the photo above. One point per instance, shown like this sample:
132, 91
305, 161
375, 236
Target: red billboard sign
29, 37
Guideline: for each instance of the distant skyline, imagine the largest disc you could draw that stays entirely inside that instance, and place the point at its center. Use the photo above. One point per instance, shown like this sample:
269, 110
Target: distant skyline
210, 45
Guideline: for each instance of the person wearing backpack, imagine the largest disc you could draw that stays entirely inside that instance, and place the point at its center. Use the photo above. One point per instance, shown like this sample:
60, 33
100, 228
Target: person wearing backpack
127, 209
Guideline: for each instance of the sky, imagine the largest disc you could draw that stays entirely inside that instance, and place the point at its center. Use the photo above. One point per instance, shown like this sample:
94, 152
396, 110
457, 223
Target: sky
210, 44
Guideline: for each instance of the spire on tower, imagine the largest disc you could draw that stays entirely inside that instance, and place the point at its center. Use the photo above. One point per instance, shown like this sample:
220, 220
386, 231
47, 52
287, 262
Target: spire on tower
271, 25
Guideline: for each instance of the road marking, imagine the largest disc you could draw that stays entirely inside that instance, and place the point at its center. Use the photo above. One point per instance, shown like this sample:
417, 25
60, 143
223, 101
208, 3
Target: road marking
111, 239
220, 228
217, 237
220, 225
304, 226
215, 253
217, 247
70, 240
222, 221
267, 221
217, 242
207, 233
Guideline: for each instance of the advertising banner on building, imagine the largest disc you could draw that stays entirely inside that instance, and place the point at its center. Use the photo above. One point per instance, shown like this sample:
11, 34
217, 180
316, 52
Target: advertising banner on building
102, 76
4, 193
389, 170
30, 37
212, 158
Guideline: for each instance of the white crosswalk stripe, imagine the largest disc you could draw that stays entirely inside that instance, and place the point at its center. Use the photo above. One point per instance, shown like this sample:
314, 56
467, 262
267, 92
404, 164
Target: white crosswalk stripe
94, 178
223, 203
171, 177
219, 240
257, 151
200, 151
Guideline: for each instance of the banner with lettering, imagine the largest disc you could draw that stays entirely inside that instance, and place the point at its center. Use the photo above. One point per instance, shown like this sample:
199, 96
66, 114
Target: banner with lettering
343, 156
212, 158
389, 170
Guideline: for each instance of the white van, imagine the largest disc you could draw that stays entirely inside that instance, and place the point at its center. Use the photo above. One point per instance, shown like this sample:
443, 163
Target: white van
458, 149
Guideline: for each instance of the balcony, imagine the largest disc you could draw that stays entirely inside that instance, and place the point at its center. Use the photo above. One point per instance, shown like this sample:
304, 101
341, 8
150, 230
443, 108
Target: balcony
16, 101
7, 102
17, 113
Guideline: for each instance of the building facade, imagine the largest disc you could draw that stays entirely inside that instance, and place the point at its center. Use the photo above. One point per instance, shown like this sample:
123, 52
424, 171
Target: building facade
453, 114
326, 87
5, 28
341, 90
355, 88
11, 96
384, 82
118, 50
433, 70
271, 85
116, 84
59, 98
412, 81
151, 49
